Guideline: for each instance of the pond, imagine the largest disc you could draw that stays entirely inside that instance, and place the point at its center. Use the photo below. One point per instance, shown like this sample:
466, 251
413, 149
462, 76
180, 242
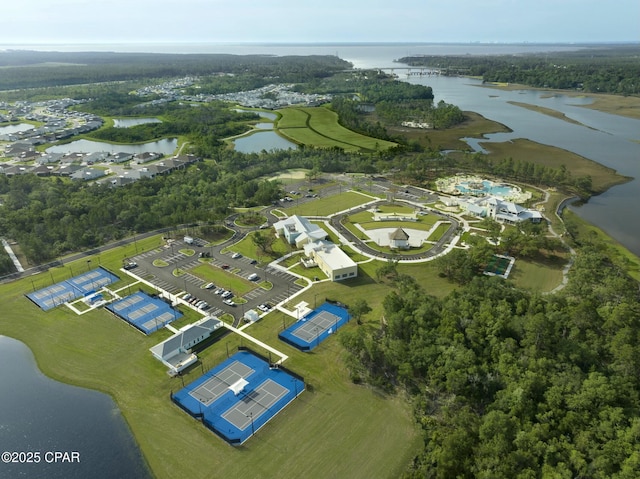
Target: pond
263, 140
129, 122
9, 129
166, 147
42, 416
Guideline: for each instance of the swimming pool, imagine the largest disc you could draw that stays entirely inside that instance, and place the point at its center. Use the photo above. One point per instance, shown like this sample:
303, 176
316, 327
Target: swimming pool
485, 187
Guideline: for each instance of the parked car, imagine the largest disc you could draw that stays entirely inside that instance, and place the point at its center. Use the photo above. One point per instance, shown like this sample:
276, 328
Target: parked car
252, 277
265, 307
227, 294
228, 302
225, 266
187, 297
209, 285
219, 291
236, 255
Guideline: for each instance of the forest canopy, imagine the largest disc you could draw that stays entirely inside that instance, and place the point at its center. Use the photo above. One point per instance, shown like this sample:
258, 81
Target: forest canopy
596, 70
509, 384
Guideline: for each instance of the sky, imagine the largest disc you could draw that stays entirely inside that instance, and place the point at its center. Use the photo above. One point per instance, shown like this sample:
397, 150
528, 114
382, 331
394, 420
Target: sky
322, 21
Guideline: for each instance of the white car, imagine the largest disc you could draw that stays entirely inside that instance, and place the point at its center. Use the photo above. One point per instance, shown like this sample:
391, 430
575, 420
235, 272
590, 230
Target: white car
236, 255
227, 294
228, 302
252, 277
209, 285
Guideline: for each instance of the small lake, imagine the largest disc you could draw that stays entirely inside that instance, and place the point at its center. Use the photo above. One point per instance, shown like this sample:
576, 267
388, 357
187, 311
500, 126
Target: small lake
264, 126
9, 129
263, 140
41, 415
129, 122
166, 147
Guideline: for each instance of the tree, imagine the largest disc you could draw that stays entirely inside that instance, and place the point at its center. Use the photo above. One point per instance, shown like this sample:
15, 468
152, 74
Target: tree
263, 241
359, 308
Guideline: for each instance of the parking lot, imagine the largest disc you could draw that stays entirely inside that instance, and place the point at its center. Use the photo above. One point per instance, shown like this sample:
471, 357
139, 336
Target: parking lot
196, 288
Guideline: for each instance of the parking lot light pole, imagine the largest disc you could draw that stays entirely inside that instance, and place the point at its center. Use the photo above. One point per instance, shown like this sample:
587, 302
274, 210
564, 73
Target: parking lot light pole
253, 431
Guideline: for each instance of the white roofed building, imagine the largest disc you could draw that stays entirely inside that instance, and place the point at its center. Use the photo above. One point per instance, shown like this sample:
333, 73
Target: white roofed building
500, 210
331, 260
299, 230
175, 352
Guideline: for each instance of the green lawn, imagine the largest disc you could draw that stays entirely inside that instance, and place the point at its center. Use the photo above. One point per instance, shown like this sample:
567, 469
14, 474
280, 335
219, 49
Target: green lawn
247, 248
221, 278
439, 231
425, 225
537, 275
333, 430
319, 127
328, 205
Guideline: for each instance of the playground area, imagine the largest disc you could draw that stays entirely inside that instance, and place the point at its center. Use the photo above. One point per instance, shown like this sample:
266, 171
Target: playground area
315, 327
72, 289
239, 396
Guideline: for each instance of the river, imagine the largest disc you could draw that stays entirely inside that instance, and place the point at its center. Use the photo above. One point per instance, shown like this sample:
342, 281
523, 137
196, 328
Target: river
40, 417
608, 139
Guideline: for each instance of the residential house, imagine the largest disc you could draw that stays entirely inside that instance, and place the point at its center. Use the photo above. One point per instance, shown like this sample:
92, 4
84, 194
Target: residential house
119, 157
87, 174
146, 157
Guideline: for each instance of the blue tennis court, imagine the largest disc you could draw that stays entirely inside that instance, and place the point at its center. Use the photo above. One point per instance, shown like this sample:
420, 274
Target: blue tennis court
315, 327
146, 313
239, 396
71, 289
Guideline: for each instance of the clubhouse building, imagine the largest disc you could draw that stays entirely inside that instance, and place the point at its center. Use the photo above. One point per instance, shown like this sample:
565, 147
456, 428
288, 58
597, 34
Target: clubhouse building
333, 262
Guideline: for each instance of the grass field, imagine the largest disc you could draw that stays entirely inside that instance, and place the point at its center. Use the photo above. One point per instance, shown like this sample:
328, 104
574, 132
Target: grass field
329, 204
540, 276
221, 278
319, 127
335, 429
